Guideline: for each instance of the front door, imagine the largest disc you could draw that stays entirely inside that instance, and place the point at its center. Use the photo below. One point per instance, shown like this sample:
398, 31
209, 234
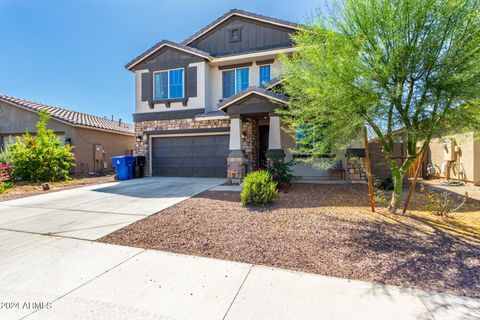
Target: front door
262, 146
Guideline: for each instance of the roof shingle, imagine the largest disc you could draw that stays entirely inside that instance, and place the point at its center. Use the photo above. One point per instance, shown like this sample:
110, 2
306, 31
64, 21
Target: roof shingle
71, 117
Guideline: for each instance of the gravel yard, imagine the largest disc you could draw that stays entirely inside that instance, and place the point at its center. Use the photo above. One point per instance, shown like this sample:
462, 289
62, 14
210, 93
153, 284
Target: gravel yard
324, 229
473, 191
27, 189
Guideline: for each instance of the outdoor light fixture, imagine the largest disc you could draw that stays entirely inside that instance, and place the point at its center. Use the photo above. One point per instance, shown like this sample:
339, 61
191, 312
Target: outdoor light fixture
139, 138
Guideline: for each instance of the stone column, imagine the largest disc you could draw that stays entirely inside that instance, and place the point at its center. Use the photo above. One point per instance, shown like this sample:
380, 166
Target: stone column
275, 151
237, 159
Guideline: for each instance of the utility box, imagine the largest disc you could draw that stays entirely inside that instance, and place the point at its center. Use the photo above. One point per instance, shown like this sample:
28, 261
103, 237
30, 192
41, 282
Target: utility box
449, 150
98, 149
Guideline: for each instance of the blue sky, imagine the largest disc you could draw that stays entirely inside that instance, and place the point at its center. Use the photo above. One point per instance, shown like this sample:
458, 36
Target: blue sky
71, 53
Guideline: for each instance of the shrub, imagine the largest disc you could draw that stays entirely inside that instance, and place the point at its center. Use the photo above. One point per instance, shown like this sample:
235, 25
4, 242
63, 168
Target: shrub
281, 172
440, 204
5, 177
381, 197
6, 154
385, 184
42, 157
258, 188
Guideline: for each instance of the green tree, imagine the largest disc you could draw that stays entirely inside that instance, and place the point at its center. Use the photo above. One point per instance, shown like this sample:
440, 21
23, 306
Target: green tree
42, 157
408, 66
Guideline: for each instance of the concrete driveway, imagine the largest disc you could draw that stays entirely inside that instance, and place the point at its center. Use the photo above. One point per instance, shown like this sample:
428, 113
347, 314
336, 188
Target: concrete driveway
94, 211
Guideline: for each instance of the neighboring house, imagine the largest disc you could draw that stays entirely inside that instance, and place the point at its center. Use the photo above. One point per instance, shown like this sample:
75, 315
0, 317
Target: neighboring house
455, 157
450, 157
95, 139
205, 107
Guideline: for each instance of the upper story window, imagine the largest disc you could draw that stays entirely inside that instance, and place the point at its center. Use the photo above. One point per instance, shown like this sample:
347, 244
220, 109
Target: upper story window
234, 81
168, 84
264, 75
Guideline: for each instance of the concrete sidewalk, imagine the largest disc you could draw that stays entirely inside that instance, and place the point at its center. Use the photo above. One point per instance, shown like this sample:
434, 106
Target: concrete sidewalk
79, 279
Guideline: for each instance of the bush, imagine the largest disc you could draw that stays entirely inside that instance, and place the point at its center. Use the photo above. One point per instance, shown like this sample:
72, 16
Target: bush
6, 154
281, 172
5, 177
385, 184
42, 157
258, 188
440, 204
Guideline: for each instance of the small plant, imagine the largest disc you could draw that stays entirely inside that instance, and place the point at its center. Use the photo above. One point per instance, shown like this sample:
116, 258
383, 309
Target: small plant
42, 157
440, 204
258, 188
5, 177
381, 197
6, 154
385, 184
281, 172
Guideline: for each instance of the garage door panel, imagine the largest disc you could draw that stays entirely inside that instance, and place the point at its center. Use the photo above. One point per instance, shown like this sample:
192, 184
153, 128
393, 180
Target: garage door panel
192, 156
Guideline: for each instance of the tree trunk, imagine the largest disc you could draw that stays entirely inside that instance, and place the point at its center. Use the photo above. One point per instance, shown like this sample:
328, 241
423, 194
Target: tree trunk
397, 192
397, 177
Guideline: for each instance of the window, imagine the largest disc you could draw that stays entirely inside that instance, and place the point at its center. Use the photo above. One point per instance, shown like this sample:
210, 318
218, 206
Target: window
161, 85
264, 75
168, 84
234, 81
241, 76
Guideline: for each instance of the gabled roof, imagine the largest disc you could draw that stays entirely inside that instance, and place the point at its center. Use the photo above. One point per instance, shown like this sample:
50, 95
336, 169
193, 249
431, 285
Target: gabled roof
167, 43
240, 13
76, 119
273, 82
262, 92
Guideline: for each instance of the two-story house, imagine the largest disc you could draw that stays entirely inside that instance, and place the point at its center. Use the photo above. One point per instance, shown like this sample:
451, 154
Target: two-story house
205, 107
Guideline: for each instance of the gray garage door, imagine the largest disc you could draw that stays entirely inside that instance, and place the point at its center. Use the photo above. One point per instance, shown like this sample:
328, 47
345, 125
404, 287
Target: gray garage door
195, 156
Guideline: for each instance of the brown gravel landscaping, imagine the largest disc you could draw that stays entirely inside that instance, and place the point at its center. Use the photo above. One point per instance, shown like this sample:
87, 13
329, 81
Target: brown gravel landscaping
323, 229
28, 189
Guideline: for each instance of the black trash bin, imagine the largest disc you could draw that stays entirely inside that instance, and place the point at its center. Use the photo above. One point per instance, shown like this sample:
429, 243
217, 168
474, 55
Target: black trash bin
138, 166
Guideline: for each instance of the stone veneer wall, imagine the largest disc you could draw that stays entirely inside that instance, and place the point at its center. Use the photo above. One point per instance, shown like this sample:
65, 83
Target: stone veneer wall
356, 169
141, 129
250, 142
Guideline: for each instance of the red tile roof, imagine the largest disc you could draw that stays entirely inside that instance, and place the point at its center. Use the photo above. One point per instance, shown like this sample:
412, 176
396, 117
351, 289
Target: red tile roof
73, 118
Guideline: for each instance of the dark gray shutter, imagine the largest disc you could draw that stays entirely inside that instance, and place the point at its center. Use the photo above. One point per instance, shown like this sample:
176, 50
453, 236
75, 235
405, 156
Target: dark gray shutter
191, 82
147, 84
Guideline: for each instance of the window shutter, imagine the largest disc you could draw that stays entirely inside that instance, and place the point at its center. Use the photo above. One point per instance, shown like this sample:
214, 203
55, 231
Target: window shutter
191, 82
147, 84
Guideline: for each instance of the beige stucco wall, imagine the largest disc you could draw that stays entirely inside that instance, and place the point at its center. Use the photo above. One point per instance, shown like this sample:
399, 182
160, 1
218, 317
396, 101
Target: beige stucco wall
14, 121
113, 144
215, 82
197, 102
466, 166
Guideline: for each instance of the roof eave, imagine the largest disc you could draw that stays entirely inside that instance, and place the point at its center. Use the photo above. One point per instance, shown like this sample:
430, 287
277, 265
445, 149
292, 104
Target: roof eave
223, 107
132, 64
227, 16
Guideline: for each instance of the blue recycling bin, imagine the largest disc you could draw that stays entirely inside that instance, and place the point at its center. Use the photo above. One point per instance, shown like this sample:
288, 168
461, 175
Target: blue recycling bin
123, 166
